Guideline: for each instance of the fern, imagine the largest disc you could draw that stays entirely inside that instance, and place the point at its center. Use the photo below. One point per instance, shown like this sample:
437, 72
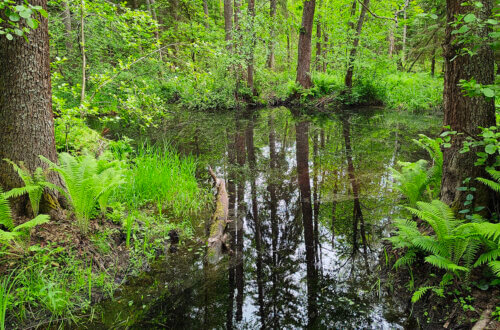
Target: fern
34, 185
444, 263
494, 185
418, 294
5, 214
20, 232
89, 183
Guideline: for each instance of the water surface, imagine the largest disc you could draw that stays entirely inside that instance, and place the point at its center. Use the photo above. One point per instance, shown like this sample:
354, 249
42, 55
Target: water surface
310, 199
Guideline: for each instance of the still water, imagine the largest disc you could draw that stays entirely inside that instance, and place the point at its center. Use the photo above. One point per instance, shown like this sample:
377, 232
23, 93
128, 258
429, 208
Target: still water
311, 200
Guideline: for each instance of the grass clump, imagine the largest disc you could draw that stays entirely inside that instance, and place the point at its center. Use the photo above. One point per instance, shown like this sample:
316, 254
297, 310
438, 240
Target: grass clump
159, 175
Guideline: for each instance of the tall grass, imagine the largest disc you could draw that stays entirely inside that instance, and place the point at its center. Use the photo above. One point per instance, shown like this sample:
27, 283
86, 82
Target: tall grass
161, 175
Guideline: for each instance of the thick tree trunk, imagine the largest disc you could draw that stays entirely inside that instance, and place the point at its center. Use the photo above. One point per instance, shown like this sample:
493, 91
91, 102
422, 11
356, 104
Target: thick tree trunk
464, 114
272, 16
304, 57
26, 118
355, 44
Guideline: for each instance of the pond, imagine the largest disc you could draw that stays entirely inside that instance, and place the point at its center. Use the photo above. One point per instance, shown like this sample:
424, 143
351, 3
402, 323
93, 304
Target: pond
311, 200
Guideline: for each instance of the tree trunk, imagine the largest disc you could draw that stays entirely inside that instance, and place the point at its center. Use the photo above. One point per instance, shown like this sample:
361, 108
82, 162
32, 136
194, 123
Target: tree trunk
228, 22
318, 46
302, 153
405, 29
354, 49
304, 57
26, 118
67, 27
433, 62
251, 13
272, 16
464, 114
82, 46
205, 11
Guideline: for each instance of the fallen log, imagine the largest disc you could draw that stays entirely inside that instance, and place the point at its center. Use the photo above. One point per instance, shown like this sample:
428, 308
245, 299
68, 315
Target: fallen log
218, 237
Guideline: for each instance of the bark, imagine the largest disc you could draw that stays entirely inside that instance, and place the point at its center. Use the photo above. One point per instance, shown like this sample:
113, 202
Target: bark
405, 29
217, 239
355, 44
205, 11
318, 46
302, 154
82, 46
433, 62
228, 22
272, 43
67, 27
251, 13
26, 118
464, 114
304, 56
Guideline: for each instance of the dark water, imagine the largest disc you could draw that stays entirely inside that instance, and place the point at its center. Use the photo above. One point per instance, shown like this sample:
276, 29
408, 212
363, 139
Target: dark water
311, 200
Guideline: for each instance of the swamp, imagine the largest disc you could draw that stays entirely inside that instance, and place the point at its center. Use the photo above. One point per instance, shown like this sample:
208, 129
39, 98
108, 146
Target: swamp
249, 164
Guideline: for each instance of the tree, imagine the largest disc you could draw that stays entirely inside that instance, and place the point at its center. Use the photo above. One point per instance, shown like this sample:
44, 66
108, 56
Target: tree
355, 44
272, 42
304, 58
26, 118
462, 113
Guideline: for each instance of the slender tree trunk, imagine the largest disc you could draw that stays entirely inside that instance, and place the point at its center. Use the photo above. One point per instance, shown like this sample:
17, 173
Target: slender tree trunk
152, 12
228, 22
304, 57
318, 46
251, 13
405, 29
433, 62
205, 11
82, 46
355, 44
325, 50
26, 118
67, 27
272, 42
464, 114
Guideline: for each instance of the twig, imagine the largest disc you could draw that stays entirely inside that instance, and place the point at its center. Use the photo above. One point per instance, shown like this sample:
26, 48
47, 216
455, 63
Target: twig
377, 16
128, 67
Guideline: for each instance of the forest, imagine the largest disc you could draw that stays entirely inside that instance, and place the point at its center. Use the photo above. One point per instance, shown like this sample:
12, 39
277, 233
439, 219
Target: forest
249, 164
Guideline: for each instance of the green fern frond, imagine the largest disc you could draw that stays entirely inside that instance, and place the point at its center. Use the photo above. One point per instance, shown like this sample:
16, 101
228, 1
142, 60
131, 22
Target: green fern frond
495, 267
487, 257
5, 213
7, 236
492, 184
417, 295
444, 263
39, 220
407, 260
17, 192
429, 244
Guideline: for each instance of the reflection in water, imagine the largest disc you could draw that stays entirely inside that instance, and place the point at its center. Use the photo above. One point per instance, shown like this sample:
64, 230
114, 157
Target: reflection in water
305, 200
302, 137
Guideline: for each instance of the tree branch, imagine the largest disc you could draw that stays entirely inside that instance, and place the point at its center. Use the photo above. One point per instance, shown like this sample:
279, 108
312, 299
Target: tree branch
375, 15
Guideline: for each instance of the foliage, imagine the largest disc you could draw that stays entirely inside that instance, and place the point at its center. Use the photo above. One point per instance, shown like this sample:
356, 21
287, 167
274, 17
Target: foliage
21, 233
89, 182
34, 185
161, 175
415, 179
18, 19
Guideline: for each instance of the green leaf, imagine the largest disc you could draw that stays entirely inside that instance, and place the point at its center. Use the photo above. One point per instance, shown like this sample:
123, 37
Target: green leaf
9, 36
490, 149
14, 17
469, 18
488, 92
32, 23
43, 13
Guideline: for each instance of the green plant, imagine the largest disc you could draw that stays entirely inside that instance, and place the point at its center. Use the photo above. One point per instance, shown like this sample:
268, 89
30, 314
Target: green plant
414, 179
34, 184
160, 175
8, 282
89, 183
20, 233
